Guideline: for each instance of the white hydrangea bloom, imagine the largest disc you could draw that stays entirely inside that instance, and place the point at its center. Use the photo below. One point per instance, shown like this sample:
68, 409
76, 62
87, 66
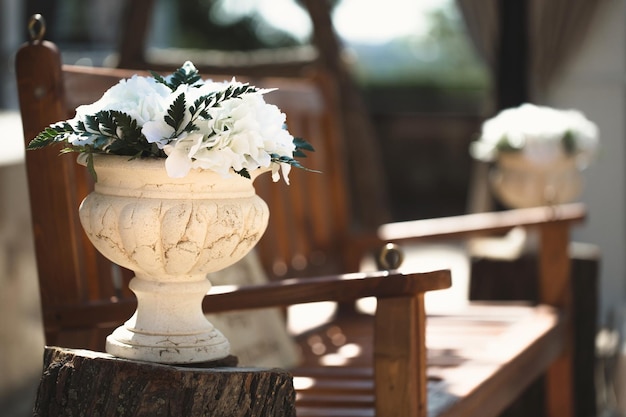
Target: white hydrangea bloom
242, 133
226, 127
179, 162
141, 98
536, 131
157, 130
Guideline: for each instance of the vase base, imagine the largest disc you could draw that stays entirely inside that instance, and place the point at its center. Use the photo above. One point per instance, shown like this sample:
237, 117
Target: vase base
170, 349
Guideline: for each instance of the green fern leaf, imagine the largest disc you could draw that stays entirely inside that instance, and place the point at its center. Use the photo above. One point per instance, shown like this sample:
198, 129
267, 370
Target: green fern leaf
176, 113
51, 134
184, 75
159, 79
41, 141
130, 131
106, 123
244, 173
303, 145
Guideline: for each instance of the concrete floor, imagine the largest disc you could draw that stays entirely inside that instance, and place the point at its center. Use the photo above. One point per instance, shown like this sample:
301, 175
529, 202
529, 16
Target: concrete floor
21, 334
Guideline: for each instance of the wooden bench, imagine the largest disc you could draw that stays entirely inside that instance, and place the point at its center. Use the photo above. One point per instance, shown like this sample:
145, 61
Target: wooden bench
479, 360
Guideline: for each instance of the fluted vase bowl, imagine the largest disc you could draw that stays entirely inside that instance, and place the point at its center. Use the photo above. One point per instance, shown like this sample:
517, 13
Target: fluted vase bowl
519, 182
171, 232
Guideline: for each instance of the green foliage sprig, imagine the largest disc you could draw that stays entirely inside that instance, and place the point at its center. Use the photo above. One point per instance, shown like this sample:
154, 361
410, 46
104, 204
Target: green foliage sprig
117, 132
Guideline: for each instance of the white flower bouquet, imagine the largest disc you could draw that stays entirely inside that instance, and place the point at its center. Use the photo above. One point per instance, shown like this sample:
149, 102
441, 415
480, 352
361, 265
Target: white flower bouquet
225, 127
541, 134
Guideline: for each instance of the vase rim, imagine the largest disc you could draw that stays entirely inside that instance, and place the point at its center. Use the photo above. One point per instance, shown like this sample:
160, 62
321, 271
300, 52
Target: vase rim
125, 162
147, 177
522, 161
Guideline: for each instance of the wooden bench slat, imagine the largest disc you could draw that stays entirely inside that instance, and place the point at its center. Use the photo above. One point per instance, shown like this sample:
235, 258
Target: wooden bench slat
335, 412
304, 399
348, 287
478, 224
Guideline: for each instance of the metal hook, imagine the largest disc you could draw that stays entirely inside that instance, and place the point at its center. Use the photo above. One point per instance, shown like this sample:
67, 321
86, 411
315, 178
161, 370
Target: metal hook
36, 27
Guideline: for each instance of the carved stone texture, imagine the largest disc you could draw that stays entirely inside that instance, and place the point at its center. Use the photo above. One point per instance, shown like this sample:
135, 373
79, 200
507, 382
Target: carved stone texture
86, 383
171, 232
166, 228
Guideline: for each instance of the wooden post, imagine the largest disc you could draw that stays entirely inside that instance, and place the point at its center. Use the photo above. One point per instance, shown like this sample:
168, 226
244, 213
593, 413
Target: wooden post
400, 357
368, 190
79, 382
555, 289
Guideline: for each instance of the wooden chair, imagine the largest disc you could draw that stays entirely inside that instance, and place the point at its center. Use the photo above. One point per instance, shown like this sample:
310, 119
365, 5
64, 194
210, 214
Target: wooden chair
480, 359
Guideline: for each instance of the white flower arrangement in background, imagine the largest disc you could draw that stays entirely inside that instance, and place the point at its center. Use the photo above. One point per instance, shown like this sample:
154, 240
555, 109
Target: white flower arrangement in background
225, 127
541, 134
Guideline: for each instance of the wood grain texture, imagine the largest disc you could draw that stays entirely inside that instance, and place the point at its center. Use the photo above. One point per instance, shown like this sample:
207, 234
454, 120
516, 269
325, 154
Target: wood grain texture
400, 357
478, 224
62, 249
478, 361
347, 287
501, 350
78, 383
555, 289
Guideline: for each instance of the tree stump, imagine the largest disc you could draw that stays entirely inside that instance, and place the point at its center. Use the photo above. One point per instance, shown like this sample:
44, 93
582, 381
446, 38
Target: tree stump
86, 383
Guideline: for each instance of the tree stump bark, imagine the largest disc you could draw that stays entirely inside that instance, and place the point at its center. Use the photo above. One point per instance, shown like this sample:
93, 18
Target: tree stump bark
86, 383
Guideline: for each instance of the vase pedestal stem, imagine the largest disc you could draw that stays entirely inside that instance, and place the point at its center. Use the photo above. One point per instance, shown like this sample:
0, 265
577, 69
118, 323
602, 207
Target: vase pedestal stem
169, 325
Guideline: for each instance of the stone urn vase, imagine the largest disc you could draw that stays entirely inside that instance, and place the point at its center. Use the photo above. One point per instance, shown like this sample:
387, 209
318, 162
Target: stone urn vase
519, 182
171, 232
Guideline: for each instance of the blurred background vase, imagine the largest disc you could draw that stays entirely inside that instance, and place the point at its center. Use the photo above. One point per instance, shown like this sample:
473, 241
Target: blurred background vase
519, 182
